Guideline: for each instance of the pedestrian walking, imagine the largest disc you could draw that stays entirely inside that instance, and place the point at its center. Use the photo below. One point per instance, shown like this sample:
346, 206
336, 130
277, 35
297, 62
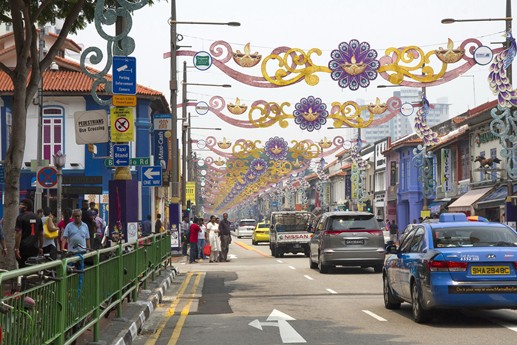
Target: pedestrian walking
49, 244
28, 236
158, 225
213, 238
147, 226
194, 236
394, 232
185, 235
76, 234
67, 218
201, 242
225, 236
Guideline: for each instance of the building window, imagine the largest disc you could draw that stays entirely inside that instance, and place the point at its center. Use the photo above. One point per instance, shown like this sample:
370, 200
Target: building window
53, 118
465, 159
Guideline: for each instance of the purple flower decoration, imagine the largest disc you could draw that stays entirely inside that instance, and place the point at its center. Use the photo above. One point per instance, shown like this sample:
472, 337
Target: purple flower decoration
250, 177
310, 113
258, 166
354, 64
276, 148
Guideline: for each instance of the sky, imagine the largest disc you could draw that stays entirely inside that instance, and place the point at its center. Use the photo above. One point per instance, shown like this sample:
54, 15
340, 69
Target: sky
305, 24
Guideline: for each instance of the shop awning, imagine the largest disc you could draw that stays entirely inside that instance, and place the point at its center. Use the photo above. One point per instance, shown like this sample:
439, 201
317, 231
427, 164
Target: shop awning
494, 199
464, 202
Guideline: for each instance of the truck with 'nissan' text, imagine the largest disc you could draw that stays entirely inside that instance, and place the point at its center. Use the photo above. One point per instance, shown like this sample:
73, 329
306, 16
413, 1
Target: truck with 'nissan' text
289, 232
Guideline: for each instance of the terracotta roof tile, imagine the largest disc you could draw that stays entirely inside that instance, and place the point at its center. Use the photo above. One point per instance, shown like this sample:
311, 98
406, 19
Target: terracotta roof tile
70, 79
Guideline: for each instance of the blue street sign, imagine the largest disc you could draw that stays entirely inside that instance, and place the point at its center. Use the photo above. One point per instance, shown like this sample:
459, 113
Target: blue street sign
162, 124
152, 176
124, 75
121, 155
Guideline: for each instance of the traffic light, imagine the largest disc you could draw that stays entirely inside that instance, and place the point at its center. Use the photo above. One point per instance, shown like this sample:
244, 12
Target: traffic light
368, 205
188, 205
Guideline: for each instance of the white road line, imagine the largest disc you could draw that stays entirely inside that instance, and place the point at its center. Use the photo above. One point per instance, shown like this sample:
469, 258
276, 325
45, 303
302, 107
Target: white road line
508, 325
375, 316
280, 261
309, 277
331, 291
292, 267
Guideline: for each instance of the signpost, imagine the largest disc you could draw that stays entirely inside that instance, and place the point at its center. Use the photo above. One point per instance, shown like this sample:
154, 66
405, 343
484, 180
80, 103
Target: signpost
122, 127
121, 155
152, 176
136, 161
124, 75
46, 177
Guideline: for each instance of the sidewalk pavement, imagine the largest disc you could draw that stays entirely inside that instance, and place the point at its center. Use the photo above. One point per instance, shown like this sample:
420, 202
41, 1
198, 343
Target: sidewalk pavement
123, 330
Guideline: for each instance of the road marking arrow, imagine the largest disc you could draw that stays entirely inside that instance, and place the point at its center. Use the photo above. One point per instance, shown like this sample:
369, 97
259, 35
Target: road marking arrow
149, 173
279, 319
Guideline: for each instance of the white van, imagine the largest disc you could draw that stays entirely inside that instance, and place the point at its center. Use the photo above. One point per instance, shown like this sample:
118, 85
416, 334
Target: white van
245, 227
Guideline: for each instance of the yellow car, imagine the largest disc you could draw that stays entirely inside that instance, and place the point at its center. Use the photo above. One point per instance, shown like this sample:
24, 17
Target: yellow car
261, 233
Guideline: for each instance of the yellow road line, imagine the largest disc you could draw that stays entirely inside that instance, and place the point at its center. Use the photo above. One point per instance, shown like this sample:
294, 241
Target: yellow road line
184, 313
247, 247
170, 311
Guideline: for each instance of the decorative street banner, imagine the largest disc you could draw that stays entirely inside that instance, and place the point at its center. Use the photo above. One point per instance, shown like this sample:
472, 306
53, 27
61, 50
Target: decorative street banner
446, 170
91, 127
122, 127
162, 125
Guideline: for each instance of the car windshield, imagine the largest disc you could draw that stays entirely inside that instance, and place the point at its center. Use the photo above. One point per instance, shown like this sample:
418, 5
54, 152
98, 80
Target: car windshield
263, 225
247, 223
354, 222
478, 236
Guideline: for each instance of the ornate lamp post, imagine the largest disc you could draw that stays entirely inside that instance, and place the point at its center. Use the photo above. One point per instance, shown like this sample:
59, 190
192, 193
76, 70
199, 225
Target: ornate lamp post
59, 163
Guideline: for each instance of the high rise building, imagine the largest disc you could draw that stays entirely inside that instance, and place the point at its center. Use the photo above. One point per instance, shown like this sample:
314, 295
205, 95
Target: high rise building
401, 125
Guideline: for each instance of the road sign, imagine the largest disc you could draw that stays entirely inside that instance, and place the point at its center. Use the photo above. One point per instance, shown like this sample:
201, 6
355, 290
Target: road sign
121, 155
202, 60
122, 127
124, 100
152, 176
47, 177
91, 127
136, 161
124, 75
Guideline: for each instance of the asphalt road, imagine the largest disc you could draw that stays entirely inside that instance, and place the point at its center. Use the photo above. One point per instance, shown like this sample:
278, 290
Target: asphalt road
258, 299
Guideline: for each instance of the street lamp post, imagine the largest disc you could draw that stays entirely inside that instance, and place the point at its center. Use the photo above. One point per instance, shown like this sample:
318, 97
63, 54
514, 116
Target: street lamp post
59, 163
173, 86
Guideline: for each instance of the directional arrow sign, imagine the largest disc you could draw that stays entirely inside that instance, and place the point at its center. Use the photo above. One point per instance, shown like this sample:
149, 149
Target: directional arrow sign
152, 176
279, 319
121, 155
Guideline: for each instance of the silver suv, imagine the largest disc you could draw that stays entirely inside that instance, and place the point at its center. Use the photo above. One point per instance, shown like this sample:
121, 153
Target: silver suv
348, 239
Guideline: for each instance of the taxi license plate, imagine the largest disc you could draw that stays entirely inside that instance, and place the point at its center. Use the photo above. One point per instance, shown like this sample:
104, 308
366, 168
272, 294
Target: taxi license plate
490, 270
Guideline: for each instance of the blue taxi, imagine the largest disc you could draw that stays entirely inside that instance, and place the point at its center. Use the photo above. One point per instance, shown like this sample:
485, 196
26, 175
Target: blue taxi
452, 263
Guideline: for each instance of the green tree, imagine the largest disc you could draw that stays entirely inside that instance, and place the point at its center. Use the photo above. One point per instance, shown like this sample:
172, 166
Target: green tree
25, 16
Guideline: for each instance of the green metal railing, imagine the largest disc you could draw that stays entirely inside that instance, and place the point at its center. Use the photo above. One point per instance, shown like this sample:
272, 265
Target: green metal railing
58, 310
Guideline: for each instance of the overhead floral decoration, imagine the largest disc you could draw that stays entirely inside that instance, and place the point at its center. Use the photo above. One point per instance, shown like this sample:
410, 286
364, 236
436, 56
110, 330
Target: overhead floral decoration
276, 148
353, 64
263, 114
310, 113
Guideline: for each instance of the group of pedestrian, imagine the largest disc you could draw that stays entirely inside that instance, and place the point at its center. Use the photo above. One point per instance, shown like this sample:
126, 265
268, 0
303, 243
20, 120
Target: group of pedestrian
41, 233
215, 234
